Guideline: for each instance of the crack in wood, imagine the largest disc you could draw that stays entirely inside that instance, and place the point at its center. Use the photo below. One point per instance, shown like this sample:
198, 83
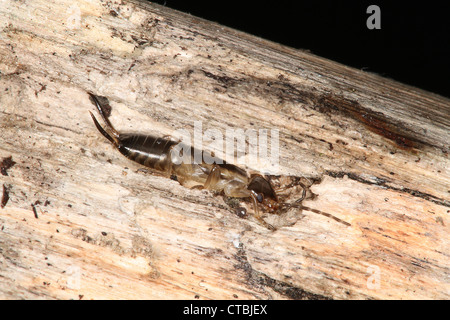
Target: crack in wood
383, 183
56, 126
258, 280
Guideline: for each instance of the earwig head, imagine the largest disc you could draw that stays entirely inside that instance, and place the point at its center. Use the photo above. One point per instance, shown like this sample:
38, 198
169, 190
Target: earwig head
264, 193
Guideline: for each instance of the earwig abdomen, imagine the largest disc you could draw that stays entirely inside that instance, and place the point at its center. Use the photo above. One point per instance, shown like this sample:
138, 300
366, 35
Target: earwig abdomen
150, 151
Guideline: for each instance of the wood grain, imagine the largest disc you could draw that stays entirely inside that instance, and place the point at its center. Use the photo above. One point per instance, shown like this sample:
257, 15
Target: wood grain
376, 149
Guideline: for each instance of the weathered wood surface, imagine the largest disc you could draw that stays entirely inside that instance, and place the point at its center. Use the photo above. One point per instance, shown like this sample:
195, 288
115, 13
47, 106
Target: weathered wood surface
106, 230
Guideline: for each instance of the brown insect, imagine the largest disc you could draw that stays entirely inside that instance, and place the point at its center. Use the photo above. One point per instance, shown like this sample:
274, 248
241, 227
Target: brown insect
156, 153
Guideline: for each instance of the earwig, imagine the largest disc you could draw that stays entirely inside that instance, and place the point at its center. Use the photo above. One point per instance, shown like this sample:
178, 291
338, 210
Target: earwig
220, 177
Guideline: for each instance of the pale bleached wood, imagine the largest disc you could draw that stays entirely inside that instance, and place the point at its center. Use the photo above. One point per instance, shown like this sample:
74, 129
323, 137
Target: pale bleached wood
109, 230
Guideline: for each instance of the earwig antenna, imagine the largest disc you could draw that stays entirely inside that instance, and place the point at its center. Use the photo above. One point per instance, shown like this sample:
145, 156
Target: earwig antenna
300, 206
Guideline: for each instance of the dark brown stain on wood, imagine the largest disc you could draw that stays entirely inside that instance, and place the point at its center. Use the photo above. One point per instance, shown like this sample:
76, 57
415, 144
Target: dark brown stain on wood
5, 196
376, 122
6, 164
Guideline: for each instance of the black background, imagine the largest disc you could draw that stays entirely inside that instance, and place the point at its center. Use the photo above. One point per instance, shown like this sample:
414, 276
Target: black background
413, 45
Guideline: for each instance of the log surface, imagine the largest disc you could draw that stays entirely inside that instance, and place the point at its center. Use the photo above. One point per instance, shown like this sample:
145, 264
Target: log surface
83, 222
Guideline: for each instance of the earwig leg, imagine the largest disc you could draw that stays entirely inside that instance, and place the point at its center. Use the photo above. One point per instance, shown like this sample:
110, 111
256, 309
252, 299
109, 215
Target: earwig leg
279, 190
169, 170
258, 216
235, 189
213, 178
303, 193
255, 207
